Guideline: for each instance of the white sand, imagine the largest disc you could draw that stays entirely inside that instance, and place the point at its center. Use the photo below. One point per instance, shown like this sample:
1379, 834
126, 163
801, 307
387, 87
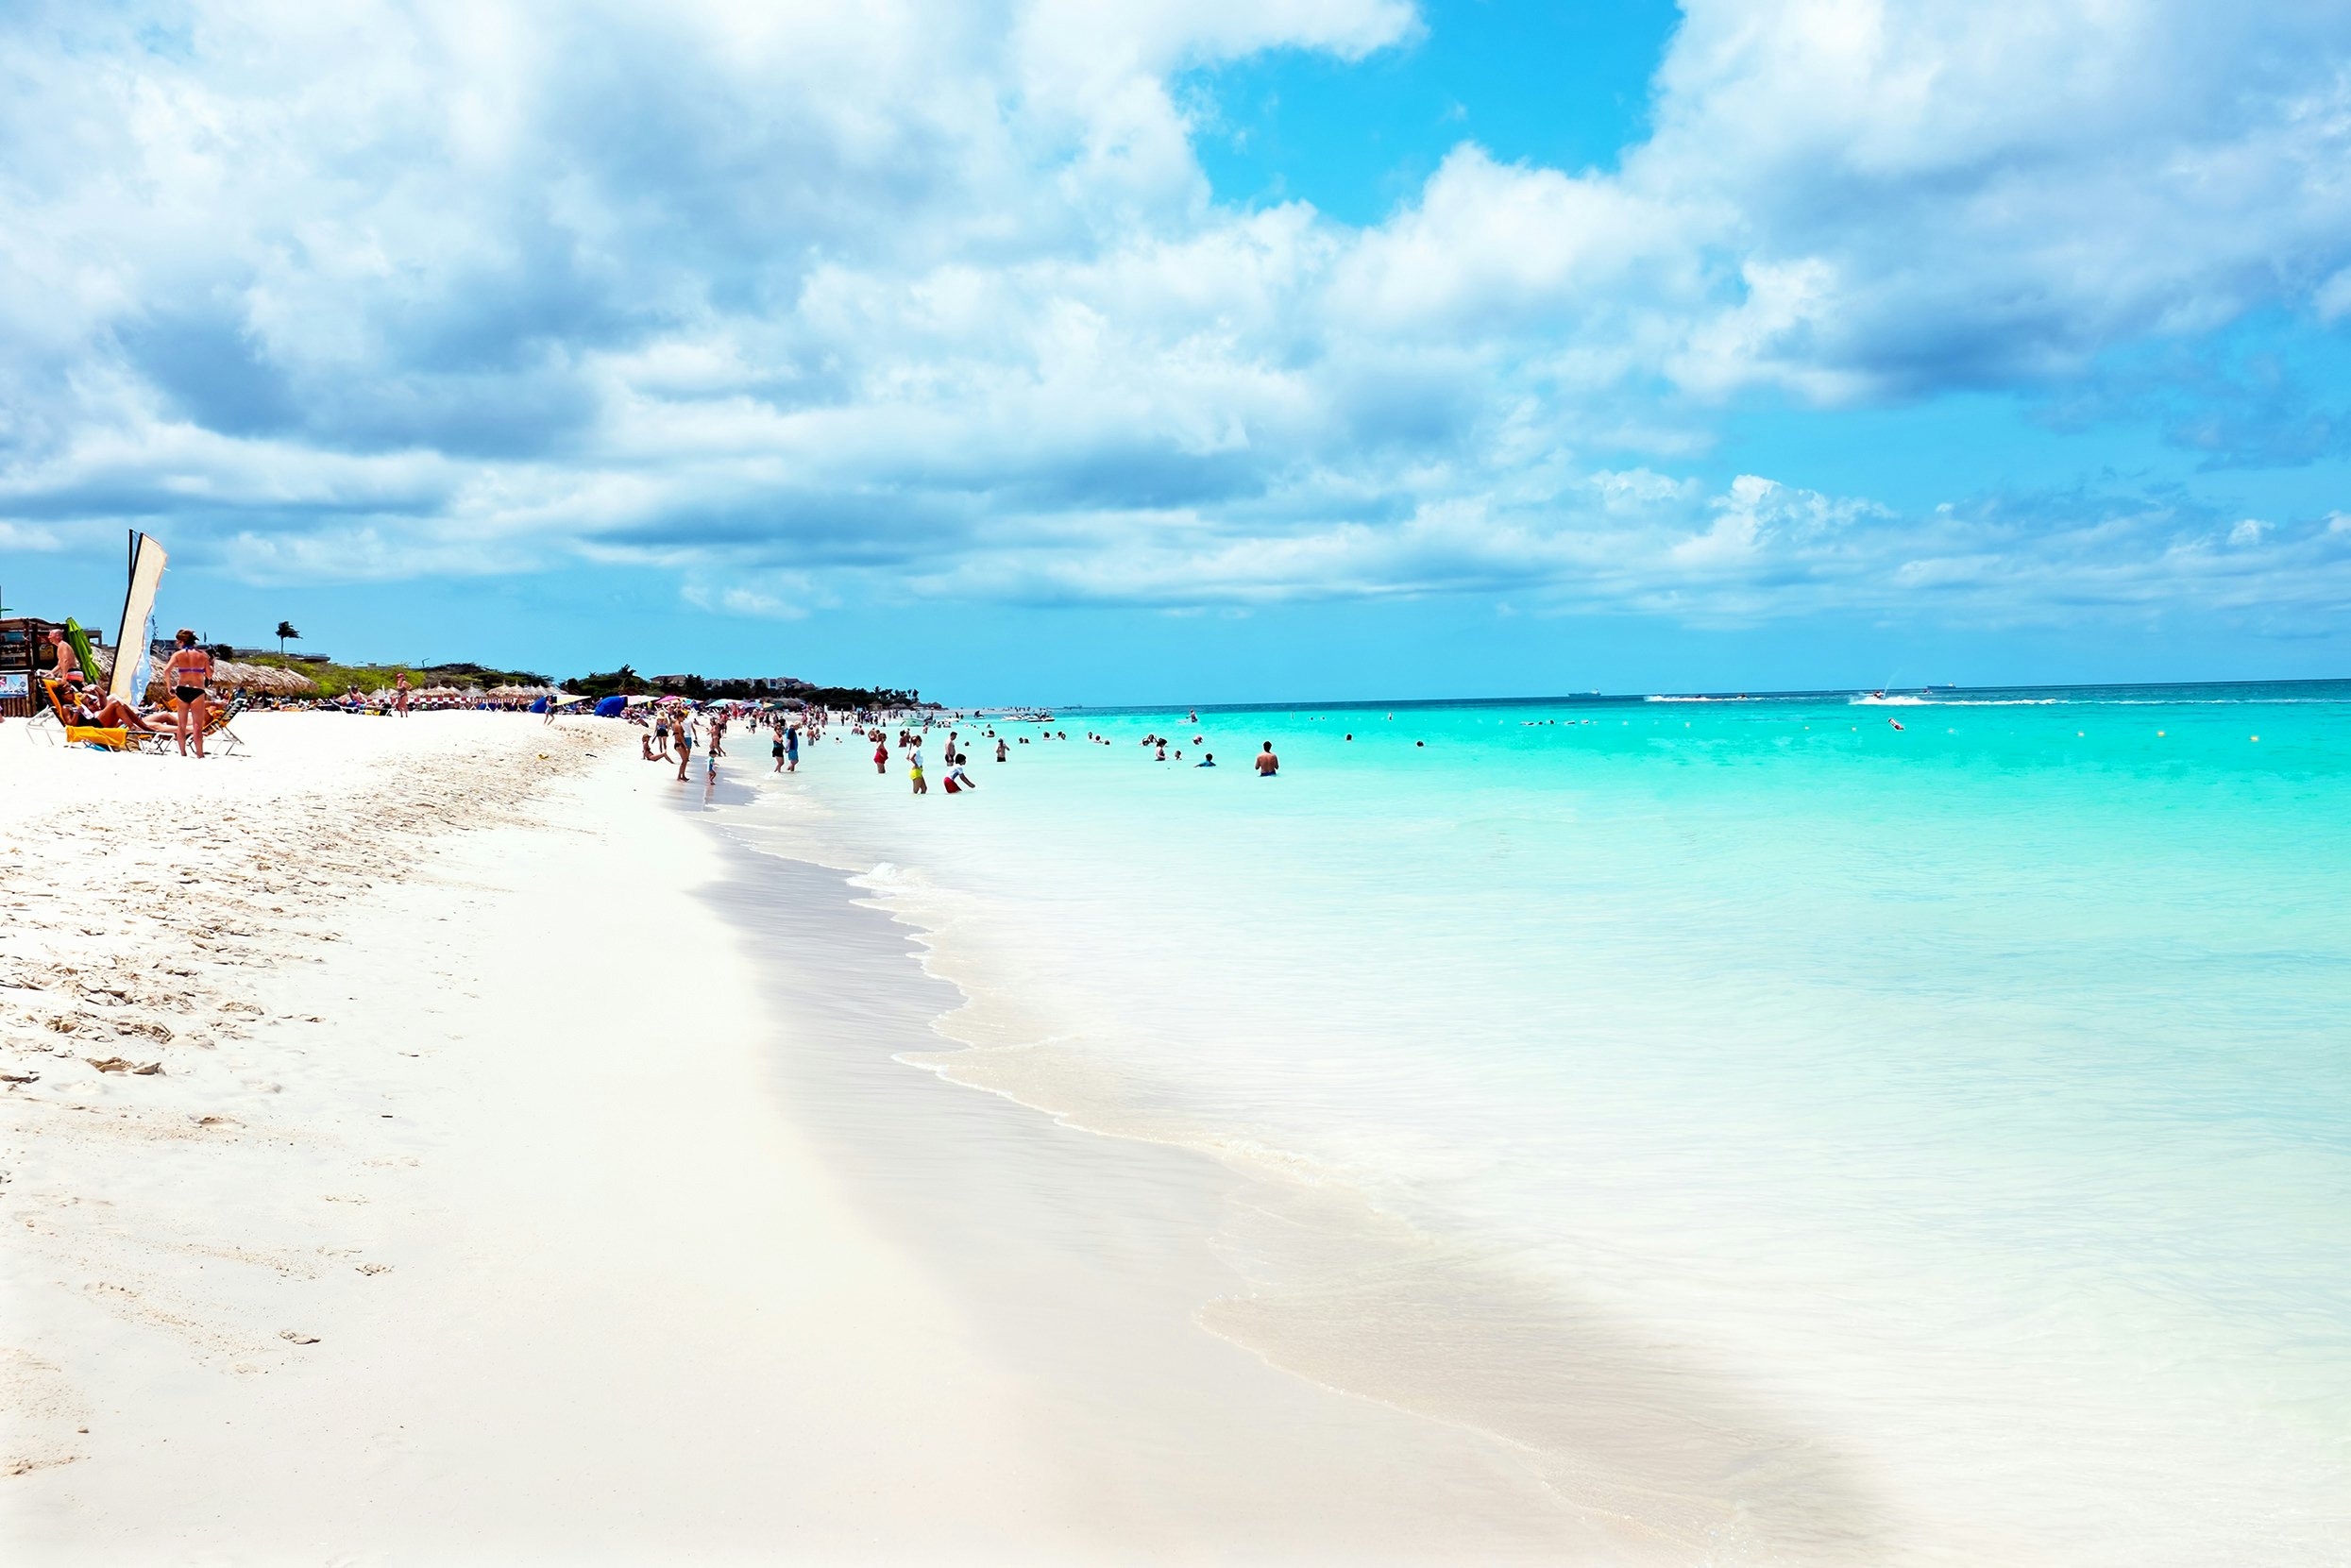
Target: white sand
472, 1218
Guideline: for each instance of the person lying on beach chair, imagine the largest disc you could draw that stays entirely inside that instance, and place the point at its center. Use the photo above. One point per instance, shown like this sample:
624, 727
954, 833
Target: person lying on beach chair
101, 711
70, 718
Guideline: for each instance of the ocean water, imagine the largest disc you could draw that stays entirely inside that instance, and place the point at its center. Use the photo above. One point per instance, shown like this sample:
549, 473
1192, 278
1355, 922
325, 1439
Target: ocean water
1811, 1139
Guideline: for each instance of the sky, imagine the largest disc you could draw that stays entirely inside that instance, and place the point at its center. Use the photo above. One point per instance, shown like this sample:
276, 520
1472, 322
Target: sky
1193, 350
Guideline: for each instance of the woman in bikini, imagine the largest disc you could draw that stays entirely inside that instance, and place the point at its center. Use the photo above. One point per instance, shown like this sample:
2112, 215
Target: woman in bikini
190, 677
100, 711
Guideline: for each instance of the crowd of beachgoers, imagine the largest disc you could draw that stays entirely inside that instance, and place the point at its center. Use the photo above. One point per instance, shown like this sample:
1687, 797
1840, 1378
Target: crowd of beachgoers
676, 729
912, 734
676, 726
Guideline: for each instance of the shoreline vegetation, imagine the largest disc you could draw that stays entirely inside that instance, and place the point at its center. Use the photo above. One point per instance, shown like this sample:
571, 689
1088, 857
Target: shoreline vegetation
626, 682
334, 679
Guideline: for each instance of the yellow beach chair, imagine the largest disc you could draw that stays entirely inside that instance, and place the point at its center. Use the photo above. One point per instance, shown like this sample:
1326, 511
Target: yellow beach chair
76, 732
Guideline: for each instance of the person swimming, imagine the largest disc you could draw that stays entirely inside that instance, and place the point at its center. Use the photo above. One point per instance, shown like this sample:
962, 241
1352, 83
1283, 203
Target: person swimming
1267, 763
1209, 761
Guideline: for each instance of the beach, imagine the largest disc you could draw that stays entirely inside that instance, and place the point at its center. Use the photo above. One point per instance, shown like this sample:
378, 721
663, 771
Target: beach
1611, 1133
492, 1203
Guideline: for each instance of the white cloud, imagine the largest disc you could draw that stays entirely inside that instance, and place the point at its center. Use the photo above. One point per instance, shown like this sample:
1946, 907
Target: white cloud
934, 297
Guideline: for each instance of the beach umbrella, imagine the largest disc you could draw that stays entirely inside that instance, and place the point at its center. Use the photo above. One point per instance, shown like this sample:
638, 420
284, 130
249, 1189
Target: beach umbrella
612, 707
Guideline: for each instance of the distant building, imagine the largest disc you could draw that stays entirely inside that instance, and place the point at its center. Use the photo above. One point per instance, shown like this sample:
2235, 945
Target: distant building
272, 653
24, 651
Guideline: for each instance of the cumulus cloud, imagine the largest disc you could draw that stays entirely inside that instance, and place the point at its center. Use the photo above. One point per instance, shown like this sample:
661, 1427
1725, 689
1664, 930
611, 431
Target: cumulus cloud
922, 297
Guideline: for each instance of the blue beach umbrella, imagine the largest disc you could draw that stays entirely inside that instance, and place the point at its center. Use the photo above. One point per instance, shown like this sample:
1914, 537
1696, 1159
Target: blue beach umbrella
612, 707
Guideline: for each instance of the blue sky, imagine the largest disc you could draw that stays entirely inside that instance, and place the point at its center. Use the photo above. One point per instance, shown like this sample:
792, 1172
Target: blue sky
1196, 352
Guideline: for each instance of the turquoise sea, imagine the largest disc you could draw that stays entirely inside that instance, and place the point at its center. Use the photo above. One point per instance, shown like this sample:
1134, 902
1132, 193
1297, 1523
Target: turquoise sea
1820, 1140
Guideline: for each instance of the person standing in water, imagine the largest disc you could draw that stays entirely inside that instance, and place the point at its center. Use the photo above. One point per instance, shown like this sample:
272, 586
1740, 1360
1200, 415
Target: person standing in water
791, 748
685, 745
914, 770
1267, 763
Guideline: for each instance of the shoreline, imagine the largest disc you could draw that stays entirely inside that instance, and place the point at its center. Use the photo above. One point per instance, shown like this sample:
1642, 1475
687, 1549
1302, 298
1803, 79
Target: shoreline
1087, 1258
1653, 1455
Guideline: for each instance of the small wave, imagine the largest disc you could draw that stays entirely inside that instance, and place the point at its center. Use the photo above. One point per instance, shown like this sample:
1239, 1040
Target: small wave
1891, 701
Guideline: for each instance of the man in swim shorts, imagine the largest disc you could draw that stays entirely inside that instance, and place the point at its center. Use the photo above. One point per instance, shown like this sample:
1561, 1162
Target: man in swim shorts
1267, 763
65, 667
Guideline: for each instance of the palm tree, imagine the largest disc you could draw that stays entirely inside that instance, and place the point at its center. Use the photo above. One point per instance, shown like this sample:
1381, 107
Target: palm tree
285, 629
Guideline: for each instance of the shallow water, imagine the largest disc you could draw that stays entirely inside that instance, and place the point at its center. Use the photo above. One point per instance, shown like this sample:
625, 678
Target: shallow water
1818, 1139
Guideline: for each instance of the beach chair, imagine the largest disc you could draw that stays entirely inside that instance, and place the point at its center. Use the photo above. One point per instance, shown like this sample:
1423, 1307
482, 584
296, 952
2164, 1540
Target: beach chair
217, 734
217, 730
64, 722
